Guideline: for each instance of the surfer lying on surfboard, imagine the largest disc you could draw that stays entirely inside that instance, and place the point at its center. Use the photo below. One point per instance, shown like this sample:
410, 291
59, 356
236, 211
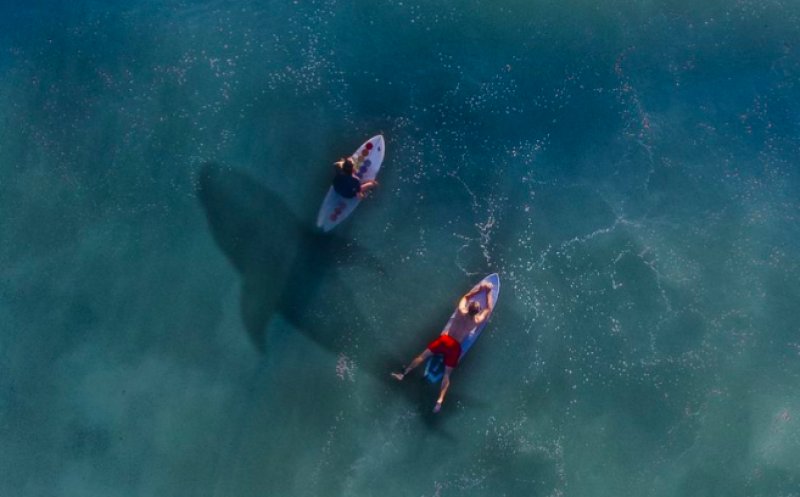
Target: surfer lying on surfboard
347, 184
468, 317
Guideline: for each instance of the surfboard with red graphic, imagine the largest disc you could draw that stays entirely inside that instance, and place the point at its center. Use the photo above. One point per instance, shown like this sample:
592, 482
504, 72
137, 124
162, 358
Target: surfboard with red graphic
368, 159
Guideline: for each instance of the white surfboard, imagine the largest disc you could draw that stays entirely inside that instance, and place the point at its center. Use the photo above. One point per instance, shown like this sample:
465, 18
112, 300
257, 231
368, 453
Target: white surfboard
368, 159
434, 367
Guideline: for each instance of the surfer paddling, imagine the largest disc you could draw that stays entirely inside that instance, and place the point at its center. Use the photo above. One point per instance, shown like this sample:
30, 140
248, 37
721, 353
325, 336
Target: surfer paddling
467, 318
347, 184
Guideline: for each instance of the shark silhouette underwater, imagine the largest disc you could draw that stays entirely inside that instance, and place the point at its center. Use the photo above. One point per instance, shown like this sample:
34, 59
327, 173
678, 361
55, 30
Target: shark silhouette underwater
290, 269
284, 265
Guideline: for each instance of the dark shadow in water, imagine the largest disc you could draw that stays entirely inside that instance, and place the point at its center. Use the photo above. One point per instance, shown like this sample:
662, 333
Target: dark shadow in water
283, 264
289, 269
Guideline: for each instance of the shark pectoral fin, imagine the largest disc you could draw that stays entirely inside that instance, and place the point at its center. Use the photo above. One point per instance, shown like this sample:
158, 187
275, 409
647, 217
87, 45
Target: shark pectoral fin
359, 256
338, 250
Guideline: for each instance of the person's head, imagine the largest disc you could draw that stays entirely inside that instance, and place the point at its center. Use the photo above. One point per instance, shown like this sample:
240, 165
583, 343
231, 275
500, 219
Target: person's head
473, 308
348, 165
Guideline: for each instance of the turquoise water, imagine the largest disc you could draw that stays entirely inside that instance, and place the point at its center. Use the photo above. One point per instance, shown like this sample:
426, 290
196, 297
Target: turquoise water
172, 325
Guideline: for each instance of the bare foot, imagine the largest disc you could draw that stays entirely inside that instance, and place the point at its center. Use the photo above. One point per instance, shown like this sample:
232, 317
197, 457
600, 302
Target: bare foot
438, 406
398, 376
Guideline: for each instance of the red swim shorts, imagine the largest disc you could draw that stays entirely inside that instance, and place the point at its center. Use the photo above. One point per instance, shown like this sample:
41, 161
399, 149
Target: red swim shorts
448, 347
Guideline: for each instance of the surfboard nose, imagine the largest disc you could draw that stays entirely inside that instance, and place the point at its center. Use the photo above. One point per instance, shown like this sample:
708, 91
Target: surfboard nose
382, 145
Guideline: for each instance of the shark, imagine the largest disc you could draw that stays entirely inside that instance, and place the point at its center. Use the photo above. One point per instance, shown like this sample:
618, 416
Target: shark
290, 269
284, 264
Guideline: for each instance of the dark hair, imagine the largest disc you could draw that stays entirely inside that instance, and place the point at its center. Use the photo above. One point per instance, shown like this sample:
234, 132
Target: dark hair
347, 165
473, 308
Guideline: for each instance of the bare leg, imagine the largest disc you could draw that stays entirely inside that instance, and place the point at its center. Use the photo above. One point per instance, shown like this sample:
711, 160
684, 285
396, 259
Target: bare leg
443, 391
416, 362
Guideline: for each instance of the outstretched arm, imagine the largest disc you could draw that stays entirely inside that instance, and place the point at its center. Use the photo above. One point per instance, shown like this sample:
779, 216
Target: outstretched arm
481, 317
443, 391
462, 305
483, 286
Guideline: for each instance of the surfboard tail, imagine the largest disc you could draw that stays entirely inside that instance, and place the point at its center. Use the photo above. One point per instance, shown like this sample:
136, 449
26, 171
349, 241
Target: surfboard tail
434, 369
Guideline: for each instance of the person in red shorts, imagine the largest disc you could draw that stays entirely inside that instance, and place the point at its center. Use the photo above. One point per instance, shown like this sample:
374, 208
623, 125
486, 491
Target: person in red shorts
468, 317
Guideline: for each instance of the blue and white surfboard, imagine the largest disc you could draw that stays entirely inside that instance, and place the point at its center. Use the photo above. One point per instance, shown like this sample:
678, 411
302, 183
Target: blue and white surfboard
434, 367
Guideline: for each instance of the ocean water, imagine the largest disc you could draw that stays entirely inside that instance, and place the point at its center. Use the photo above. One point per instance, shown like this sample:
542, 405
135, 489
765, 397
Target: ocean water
172, 325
